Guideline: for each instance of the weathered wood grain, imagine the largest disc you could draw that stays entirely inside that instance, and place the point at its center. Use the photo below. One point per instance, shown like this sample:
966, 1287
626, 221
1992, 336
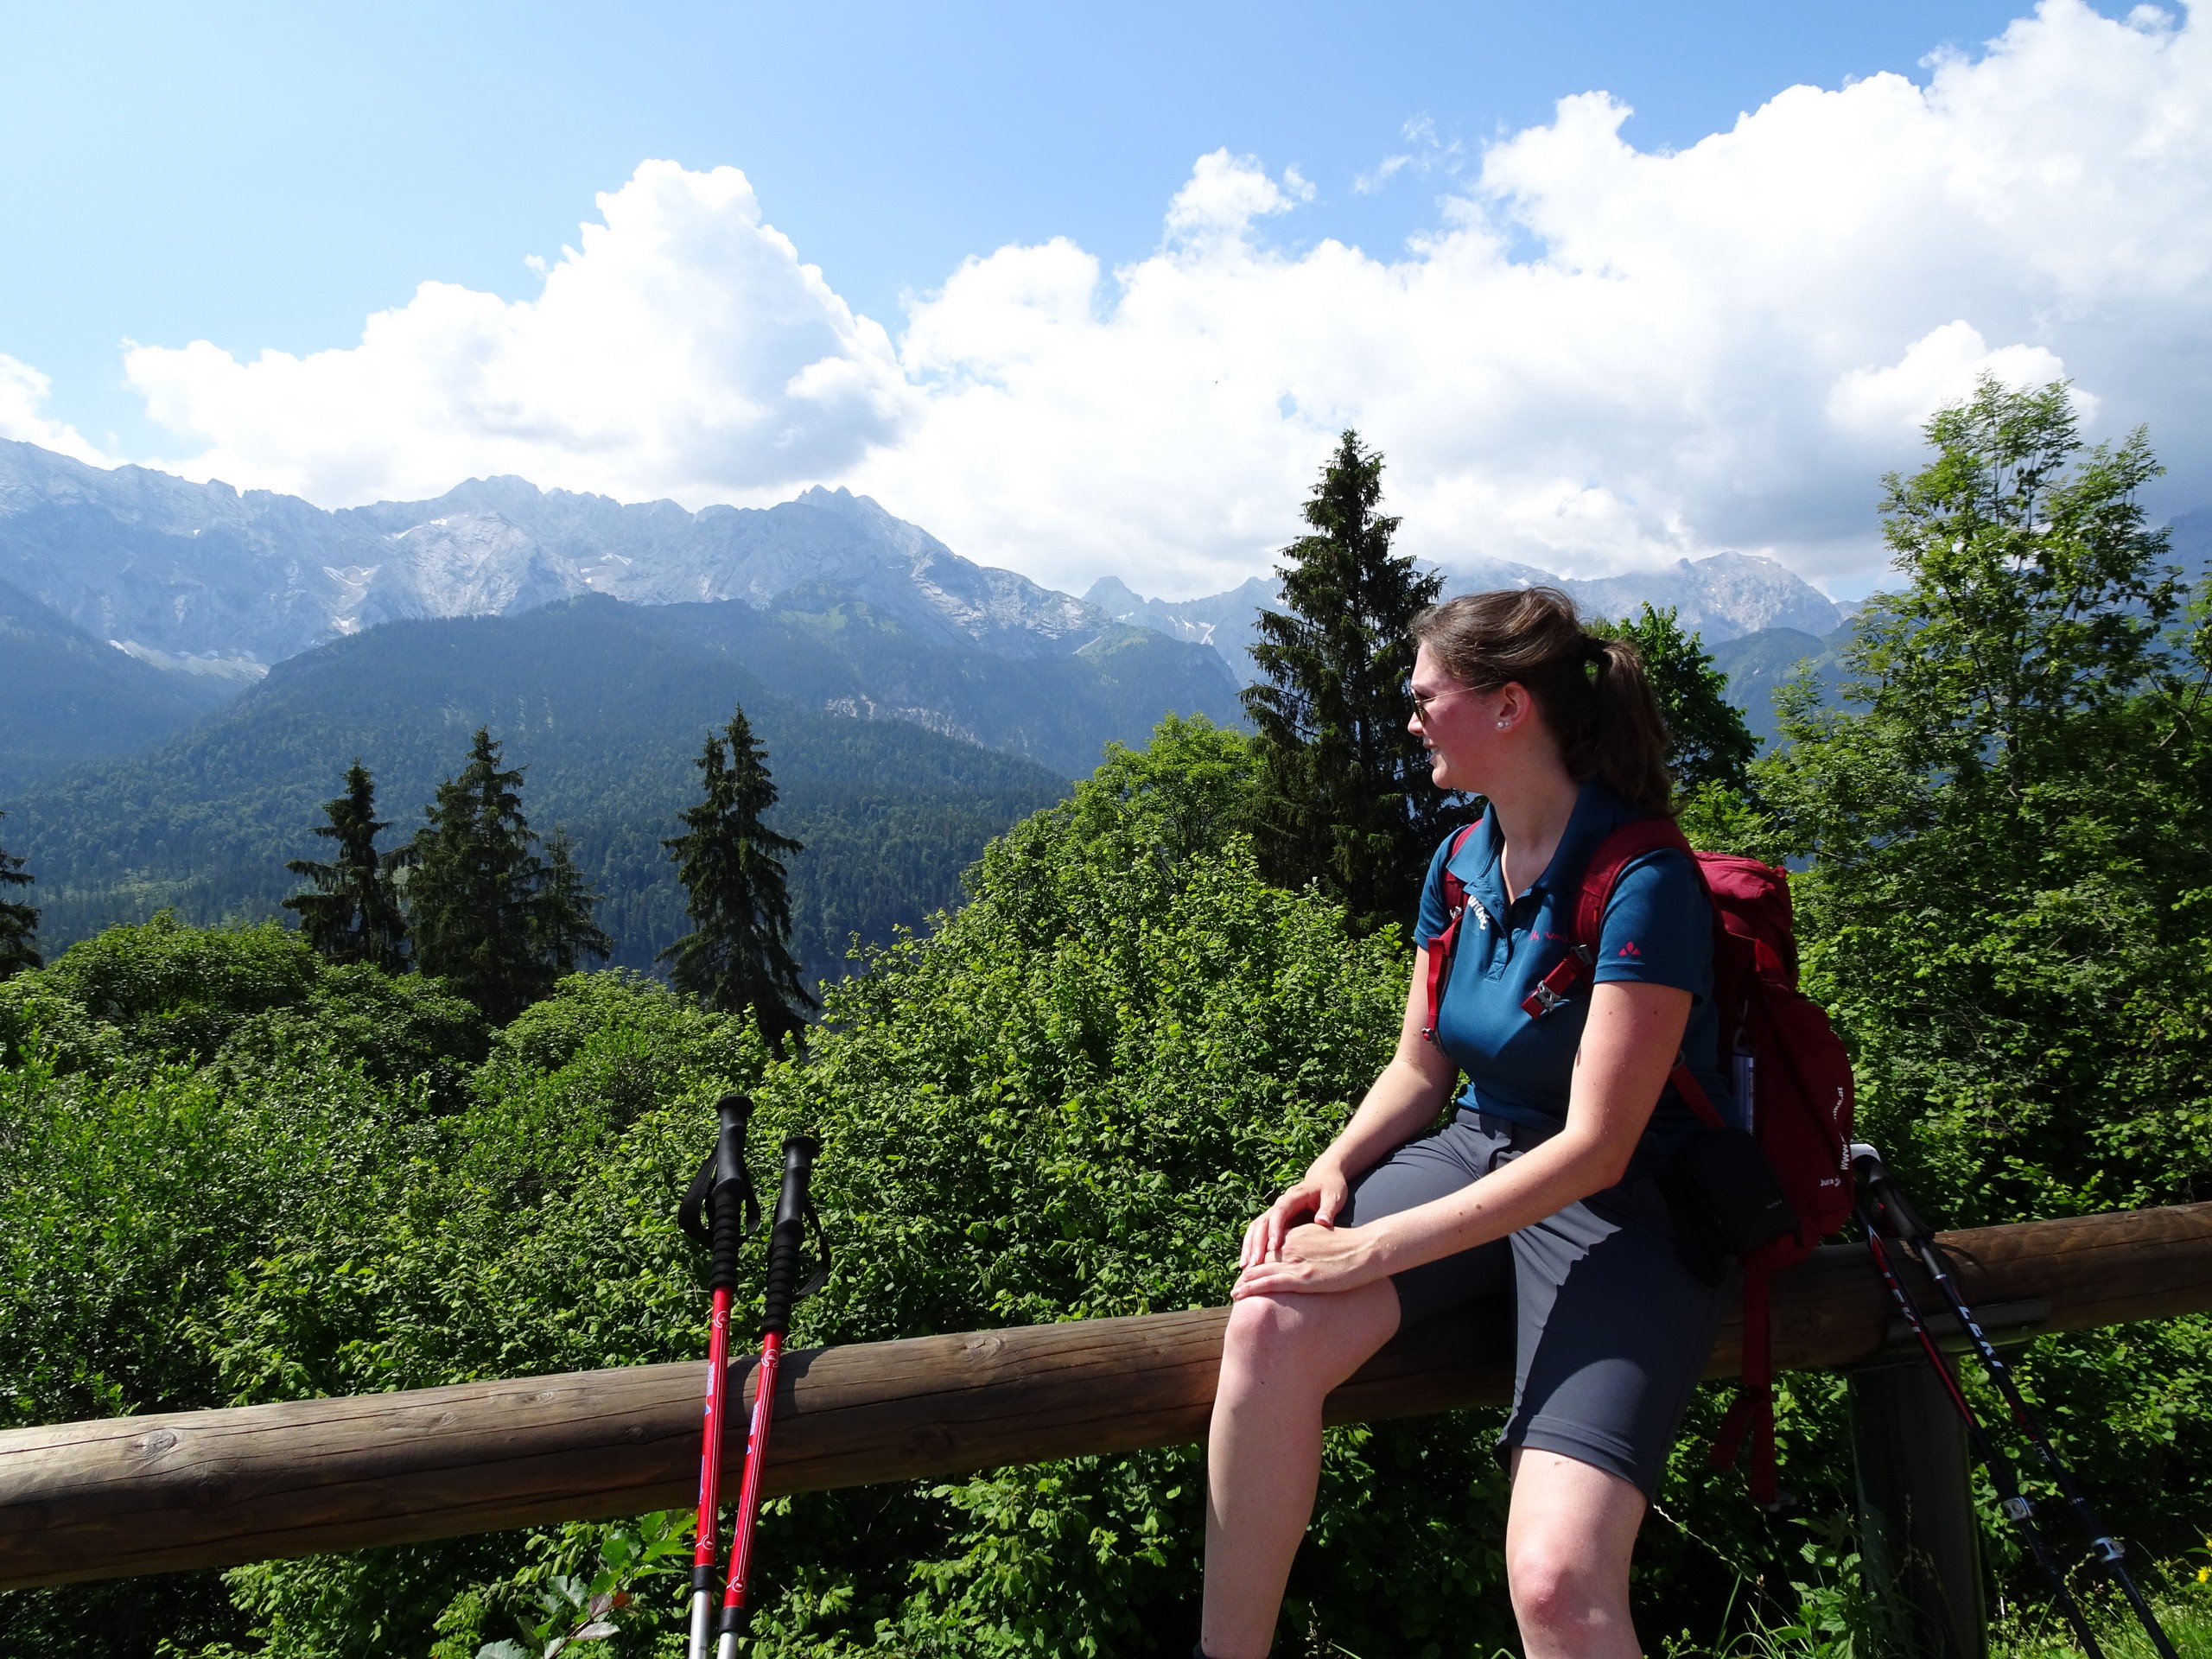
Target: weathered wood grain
129, 1496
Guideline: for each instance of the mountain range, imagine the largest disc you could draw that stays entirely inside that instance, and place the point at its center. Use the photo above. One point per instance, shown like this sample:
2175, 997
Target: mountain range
185, 669
183, 574
1723, 596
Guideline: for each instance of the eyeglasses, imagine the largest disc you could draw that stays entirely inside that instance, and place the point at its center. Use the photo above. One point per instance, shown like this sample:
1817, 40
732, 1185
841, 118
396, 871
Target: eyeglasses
1421, 700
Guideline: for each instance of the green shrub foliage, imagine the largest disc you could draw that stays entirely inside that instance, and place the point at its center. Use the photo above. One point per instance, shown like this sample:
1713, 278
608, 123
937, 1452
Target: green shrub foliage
238, 1172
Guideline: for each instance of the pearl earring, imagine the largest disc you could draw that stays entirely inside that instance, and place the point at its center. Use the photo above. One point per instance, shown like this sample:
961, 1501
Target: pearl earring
1501, 725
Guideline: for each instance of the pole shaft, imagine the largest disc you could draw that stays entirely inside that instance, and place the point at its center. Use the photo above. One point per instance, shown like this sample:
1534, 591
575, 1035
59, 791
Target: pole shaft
708, 1526
756, 1457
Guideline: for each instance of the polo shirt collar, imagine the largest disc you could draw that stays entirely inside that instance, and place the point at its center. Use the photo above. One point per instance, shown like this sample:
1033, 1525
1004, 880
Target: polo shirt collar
1597, 812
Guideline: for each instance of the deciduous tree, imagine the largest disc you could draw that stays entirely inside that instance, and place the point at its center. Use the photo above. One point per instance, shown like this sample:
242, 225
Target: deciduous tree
2009, 822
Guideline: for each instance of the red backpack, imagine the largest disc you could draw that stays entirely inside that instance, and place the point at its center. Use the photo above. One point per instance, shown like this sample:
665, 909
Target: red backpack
1792, 1079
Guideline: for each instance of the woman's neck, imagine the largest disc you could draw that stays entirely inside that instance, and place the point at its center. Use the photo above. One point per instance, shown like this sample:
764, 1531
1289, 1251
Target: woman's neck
1532, 812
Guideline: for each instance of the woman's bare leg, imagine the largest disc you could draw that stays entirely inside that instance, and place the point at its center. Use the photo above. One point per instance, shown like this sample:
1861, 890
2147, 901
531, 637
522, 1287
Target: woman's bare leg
1568, 1537
1279, 1357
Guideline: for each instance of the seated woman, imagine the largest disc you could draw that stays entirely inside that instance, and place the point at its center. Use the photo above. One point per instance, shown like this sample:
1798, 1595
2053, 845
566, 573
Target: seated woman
1542, 1180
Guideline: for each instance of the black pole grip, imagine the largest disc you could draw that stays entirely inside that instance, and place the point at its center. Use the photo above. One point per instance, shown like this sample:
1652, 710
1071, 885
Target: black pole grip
719, 1209
1889, 1204
735, 1208
787, 1233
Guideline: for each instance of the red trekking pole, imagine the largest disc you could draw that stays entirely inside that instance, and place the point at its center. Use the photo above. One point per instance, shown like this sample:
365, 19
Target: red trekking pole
718, 1210
787, 1233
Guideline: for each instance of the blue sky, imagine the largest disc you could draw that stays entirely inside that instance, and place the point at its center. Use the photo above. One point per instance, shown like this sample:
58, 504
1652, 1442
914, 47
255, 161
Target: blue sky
1097, 288
266, 175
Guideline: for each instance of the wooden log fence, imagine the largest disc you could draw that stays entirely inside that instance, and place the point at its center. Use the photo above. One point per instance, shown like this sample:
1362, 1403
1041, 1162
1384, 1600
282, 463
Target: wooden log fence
155, 1494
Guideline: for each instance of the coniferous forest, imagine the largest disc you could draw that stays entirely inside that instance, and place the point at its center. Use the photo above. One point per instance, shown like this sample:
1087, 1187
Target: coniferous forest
253, 1163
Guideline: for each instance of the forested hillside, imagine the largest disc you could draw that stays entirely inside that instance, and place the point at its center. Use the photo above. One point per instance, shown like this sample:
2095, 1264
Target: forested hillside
606, 705
67, 698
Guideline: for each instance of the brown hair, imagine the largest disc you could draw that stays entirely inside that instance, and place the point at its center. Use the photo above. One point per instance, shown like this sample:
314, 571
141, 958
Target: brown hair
1591, 692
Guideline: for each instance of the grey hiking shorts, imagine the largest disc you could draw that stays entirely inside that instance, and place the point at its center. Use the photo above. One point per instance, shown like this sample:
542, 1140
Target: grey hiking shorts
1611, 1331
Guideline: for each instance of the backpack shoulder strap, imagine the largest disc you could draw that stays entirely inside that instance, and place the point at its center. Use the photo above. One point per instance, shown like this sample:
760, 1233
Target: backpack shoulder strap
1447, 938
1614, 855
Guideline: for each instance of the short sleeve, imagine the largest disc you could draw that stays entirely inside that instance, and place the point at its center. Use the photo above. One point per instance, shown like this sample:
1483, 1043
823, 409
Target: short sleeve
1434, 912
1658, 928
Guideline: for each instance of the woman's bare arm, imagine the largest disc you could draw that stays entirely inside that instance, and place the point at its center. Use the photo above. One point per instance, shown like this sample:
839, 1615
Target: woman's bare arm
1629, 1045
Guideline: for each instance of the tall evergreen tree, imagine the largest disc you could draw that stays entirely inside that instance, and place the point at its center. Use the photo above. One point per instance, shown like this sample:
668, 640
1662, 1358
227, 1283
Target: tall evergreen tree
566, 933
1345, 794
351, 911
18, 922
487, 914
738, 953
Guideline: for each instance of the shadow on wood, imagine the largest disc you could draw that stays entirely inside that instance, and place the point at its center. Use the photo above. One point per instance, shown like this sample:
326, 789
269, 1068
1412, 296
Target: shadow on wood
126, 1496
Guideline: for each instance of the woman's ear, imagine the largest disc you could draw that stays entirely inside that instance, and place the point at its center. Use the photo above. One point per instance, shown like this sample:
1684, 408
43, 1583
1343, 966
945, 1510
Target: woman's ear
1514, 705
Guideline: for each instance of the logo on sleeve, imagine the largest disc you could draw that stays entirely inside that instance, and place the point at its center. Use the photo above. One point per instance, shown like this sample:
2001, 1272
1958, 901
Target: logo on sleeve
1629, 949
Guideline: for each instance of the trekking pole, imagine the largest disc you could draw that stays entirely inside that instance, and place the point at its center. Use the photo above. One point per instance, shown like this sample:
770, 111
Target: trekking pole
2017, 1509
1890, 1204
718, 1210
786, 1243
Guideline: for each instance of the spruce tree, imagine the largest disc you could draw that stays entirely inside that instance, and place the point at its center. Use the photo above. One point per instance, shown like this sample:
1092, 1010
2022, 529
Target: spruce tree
738, 953
18, 922
351, 911
566, 933
487, 914
1346, 799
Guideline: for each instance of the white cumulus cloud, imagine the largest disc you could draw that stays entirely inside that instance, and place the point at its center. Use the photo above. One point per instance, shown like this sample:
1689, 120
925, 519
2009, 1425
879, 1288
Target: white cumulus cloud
1597, 358
682, 350
23, 392
1603, 358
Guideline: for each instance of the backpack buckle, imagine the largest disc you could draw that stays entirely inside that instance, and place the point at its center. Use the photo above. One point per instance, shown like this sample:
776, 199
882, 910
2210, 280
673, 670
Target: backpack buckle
1542, 1000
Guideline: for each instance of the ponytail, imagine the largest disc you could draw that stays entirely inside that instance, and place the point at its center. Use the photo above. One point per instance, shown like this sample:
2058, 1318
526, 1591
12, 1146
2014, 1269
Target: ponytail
1591, 692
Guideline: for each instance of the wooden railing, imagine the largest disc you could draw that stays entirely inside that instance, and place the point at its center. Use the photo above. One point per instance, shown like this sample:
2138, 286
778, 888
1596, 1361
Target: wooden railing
134, 1495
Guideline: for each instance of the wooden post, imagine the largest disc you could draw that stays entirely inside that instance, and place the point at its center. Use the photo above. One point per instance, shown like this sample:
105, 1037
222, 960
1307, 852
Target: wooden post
1919, 1542
131, 1494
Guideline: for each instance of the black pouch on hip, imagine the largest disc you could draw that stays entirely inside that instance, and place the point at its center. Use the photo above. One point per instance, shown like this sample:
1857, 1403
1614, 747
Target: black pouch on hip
1725, 1199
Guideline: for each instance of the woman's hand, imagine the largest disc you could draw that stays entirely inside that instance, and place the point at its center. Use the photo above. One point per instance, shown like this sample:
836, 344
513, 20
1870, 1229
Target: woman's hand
1316, 1197
1315, 1260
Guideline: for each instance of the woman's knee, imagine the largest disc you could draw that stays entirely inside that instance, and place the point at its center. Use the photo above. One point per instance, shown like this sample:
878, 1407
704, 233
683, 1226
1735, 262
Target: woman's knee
1268, 1333
1568, 1539
1561, 1580
1315, 1340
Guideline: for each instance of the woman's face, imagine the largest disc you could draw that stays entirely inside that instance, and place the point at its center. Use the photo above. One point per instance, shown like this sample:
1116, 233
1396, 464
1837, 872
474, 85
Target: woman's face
1468, 732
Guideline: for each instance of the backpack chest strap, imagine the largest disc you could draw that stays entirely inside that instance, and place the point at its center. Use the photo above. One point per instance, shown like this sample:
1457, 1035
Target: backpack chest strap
1446, 940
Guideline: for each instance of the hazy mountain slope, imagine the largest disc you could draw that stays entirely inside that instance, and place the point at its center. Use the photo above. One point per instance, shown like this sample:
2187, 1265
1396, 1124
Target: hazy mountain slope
825, 651
67, 698
606, 705
1721, 597
136, 554
1756, 663
1224, 621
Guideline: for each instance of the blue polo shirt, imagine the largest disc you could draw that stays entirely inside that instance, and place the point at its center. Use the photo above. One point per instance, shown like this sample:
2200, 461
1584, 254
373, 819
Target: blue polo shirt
1657, 930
